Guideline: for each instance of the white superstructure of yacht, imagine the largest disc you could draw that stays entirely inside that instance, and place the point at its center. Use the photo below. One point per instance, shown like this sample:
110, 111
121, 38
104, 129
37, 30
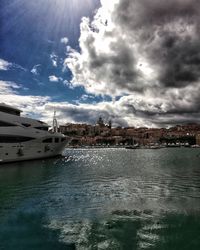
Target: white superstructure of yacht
23, 138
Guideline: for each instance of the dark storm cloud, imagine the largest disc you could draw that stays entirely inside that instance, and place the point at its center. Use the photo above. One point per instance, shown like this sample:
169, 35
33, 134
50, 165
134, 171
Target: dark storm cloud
120, 62
137, 14
87, 113
169, 107
148, 50
179, 59
169, 32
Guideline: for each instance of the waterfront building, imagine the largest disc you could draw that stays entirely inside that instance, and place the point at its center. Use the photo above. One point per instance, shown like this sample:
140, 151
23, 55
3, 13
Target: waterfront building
198, 139
100, 133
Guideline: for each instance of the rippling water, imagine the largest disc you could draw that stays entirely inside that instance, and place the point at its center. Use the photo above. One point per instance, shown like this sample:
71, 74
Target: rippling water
102, 199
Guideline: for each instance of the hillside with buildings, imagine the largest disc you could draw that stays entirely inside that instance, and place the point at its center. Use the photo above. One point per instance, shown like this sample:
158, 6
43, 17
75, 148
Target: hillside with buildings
104, 134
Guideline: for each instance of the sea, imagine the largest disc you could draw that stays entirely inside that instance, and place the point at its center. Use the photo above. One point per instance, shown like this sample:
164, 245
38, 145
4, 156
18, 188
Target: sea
102, 198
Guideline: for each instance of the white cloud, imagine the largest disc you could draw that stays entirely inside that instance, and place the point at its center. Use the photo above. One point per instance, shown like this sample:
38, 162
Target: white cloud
64, 40
129, 110
36, 69
68, 84
7, 87
54, 78
32, 105
54, 63
109, 59
4, 65
85, 97
54, 59
41, 107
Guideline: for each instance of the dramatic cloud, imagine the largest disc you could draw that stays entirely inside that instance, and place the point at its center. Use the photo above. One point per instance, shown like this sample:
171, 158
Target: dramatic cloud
167, 34
145, 50
42, 107
129, 110
86, 113
144, 54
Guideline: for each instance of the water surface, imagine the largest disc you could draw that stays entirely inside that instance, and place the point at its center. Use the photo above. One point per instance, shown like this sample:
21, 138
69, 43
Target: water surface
102, 199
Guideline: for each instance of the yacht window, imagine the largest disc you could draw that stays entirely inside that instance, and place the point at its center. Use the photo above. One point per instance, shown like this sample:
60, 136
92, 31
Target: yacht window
14, 139
10, 111
48, 140
56, 140
63, 139
5, 124
42, 128
26, 124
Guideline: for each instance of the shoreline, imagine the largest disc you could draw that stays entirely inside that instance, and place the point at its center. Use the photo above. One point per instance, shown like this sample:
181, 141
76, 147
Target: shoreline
130, 147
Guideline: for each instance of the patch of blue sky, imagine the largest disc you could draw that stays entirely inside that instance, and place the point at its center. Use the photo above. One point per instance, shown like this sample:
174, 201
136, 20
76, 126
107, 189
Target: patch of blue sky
31, 33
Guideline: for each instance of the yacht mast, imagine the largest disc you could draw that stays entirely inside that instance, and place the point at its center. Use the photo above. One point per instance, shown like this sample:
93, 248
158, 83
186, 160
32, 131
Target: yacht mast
55, 123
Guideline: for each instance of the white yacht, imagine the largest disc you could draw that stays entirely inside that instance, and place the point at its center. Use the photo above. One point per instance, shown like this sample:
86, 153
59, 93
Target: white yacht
23, 138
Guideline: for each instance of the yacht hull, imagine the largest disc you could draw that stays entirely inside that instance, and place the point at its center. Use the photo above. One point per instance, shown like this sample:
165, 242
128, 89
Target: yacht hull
23, 138
29, 151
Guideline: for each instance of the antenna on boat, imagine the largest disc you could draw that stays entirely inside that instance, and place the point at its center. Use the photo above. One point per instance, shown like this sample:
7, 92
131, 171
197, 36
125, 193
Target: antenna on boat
55, 123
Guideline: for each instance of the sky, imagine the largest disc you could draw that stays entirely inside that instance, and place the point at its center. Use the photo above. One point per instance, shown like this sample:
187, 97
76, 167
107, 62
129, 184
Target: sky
134, 62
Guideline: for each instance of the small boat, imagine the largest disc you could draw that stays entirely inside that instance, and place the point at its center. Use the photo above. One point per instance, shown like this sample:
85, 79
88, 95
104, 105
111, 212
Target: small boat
154, 147
23, 138
132, 146
195, 146
173, 145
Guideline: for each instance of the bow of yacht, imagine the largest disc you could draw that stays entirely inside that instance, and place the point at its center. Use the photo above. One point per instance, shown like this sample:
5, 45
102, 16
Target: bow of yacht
23, 138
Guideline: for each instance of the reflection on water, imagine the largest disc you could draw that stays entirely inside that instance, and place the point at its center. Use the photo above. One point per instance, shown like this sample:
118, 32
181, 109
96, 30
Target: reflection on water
102, 199
133, 230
